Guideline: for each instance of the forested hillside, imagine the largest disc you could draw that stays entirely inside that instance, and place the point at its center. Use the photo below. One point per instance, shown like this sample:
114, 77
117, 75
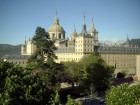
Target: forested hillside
6, 49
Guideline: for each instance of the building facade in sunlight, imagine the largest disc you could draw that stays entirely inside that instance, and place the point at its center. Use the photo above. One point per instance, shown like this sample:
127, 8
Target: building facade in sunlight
78, 45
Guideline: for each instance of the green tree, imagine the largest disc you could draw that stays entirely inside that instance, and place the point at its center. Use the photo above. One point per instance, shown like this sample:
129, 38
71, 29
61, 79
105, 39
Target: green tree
97, 73
4, 66
52, 76
123, 95
45, 46
22, 87
46, 68
73, 73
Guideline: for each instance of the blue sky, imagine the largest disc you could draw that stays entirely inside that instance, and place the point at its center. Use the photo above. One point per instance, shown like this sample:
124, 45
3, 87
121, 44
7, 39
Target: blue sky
113, 19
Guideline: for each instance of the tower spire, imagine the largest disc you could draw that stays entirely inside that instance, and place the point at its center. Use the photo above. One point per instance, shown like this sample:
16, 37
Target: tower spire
127, 41
25, 38
74, 28
92, 23
56, 20
84, 31
127, 37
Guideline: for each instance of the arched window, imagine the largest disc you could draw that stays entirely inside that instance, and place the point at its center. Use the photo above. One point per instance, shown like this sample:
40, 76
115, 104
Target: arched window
66, 44
59, 35
53, 35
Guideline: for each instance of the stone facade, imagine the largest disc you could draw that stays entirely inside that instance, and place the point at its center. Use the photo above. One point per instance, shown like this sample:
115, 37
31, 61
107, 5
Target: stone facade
138, 66
28, 48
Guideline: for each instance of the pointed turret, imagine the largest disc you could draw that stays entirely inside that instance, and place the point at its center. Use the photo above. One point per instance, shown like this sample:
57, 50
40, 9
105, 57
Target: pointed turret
92, 29
74, 33
84, 31
25, 39
127, 43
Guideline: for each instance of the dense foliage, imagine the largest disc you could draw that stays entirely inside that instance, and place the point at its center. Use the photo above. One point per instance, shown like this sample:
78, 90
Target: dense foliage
21, 87
73, 73
97, 73
72, 101
4, 66
123, 95
91, 73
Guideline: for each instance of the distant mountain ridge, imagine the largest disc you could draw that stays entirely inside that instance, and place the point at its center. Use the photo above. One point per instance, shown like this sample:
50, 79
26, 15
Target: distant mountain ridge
7, 49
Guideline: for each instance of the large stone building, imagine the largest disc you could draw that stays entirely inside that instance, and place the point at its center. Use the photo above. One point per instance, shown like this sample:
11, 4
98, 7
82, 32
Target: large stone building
138, 66
122, 57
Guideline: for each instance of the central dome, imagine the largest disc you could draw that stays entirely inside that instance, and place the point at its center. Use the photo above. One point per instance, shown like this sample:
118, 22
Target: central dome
56, 31
56, 28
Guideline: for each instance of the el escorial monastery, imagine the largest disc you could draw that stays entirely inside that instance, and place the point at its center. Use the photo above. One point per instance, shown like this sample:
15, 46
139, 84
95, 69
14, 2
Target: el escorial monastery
124, 57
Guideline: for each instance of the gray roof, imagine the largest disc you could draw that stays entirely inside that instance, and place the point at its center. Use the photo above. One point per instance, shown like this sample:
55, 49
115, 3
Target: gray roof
106, 49
65, 50
16, 57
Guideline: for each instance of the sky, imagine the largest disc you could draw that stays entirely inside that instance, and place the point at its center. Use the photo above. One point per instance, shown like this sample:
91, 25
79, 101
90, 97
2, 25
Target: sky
113, 19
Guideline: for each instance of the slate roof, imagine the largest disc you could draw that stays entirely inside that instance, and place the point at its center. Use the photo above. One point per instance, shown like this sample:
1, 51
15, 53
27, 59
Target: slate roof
16, 57
65, 50
118, 50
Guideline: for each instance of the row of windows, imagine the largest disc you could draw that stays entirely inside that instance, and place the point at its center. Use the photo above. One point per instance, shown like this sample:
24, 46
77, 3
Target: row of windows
117, 65
89, 45
119, 58
69, 54
119, 55
18, 62
69, 59
53, 35
135, 50
84, 50
85, 41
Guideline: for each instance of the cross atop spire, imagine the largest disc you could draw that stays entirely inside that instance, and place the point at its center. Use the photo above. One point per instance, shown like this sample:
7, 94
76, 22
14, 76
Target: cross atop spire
56, 13
84, 18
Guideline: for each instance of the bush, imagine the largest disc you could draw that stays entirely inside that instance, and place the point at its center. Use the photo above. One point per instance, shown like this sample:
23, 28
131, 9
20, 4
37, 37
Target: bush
123, 95
121, 74
72, 101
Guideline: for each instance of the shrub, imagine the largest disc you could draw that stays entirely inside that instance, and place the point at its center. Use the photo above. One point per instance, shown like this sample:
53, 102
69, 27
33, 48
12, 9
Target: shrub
121, 74
123, 95
72, 101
